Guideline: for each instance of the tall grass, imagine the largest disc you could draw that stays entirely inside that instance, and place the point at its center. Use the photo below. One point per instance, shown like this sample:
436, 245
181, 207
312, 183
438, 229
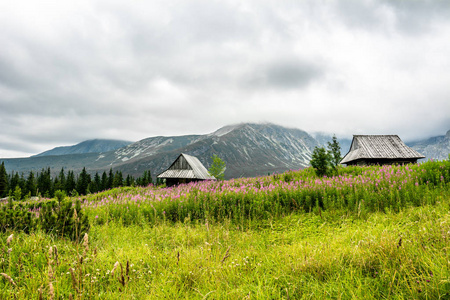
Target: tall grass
302, 256
358, 190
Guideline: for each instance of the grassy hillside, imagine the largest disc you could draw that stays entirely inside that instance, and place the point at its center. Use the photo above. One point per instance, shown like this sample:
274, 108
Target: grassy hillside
377, 232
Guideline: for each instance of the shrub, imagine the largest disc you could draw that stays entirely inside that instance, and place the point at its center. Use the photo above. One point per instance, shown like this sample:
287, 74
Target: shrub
64, 220
17, 218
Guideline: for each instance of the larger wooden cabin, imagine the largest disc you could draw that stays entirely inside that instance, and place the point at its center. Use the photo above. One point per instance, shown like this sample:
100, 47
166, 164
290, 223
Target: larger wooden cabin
379, 150
185, 169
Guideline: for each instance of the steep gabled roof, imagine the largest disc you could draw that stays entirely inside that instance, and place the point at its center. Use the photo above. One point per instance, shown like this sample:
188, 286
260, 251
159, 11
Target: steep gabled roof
187, 166
379, 147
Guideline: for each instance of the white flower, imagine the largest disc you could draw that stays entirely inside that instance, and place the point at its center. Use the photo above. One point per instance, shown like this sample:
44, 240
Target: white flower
9, 239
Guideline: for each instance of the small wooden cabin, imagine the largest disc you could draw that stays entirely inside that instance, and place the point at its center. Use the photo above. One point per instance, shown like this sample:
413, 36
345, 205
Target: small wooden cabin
185, 169
379, 150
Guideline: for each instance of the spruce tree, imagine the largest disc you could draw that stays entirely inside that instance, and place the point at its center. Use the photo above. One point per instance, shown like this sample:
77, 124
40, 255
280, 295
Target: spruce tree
62, 180
129, 181
320, 161
70, 182
139, 181
118, 179
96, 183
13, 182
104, 182
22, 182
110, 179
3, 180
335, 151
17, 193
83, 182
31, 184
44, 183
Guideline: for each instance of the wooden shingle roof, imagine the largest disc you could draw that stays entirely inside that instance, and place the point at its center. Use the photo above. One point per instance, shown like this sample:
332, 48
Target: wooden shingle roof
379, 147
187, 166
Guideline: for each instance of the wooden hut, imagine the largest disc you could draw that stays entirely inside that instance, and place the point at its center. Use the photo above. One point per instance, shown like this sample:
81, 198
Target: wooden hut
185, 169
380, 150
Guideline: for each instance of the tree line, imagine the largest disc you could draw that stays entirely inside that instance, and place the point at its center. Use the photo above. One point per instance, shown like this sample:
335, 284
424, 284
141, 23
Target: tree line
43, 184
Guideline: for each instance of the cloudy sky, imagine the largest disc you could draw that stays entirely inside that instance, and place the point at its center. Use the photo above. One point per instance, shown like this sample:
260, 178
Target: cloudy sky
77, 70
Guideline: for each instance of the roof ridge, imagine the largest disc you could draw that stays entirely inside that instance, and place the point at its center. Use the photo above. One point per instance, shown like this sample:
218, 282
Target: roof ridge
375, 135
379, 147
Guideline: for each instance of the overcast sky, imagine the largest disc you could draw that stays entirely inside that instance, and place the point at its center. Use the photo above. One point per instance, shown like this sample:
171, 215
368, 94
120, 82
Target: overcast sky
77, 70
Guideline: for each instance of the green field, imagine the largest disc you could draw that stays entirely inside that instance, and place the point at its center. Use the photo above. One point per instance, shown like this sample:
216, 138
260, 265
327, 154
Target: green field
366, 233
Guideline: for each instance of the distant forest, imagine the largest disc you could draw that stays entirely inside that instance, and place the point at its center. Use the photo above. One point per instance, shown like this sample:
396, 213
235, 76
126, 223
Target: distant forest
42, 184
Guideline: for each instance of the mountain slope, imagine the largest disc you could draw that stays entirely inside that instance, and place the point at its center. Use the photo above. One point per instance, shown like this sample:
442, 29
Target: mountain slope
436, 148
247, 149
90, 146
151, 146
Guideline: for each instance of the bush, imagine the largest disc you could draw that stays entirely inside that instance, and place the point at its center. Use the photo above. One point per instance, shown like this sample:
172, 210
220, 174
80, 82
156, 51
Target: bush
17, 218
64, 220
60, 217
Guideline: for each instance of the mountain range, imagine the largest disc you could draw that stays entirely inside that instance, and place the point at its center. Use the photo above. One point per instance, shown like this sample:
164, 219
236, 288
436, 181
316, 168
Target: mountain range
247, 149
90, 146
437, 148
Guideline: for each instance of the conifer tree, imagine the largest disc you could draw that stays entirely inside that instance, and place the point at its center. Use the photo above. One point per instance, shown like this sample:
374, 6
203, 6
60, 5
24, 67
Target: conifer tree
145, 179
320, 161
104, 182
22, 182
335, 151
3, 180
96, 183
118, 179
44, 183
70, 182
83, 182
13, 182
110, 179
62, 180
17, 193
31, 184
129, 181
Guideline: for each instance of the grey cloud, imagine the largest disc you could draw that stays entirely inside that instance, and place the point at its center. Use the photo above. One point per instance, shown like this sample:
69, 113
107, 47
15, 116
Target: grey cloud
293, 75
415, 17
284, 74
213, 22
361, 14
412, 17
22, 146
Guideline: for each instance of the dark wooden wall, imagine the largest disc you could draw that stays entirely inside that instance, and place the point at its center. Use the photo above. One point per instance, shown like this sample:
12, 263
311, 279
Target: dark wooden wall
180, 164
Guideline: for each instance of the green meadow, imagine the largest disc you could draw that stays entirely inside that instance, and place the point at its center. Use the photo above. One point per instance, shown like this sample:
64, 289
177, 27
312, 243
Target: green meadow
365, 233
